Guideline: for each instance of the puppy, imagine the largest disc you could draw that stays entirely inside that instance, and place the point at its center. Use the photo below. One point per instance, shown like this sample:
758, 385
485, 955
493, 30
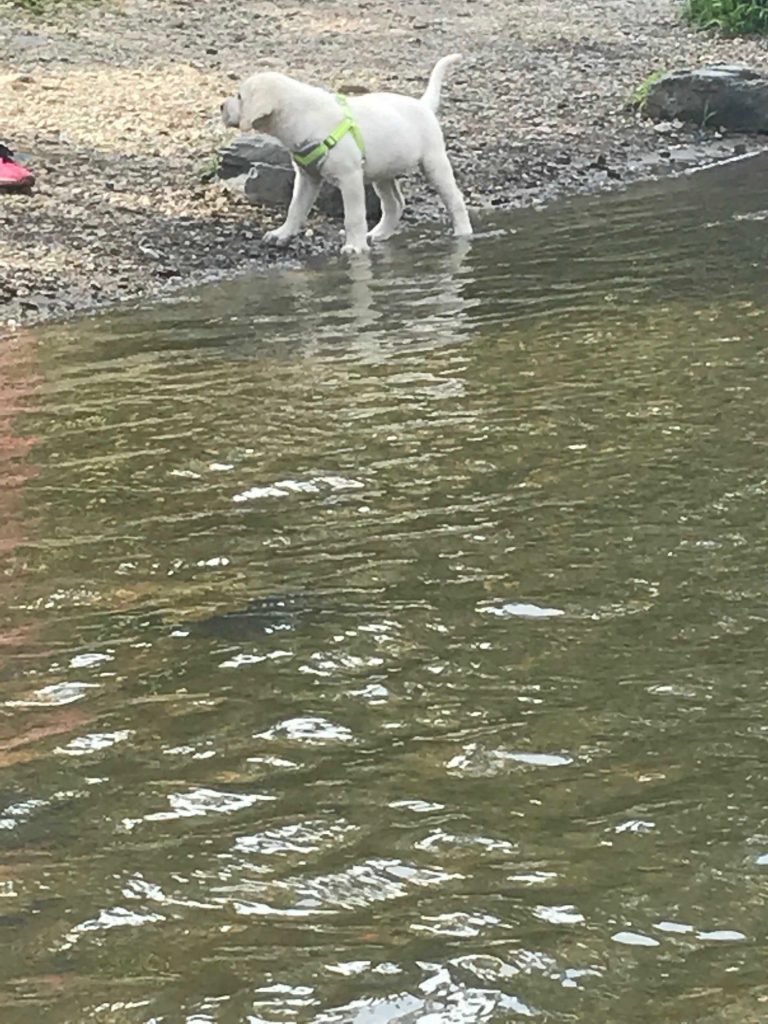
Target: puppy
375, 137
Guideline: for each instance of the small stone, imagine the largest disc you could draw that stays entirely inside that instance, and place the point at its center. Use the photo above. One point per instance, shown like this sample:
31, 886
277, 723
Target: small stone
35, 301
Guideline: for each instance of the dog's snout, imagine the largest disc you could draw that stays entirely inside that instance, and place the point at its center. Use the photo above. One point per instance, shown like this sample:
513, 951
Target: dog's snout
230, 112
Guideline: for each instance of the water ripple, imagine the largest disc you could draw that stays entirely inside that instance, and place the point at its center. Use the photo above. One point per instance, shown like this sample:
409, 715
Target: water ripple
384, 640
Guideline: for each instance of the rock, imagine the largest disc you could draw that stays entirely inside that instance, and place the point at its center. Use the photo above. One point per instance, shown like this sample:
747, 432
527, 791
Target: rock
15, 81
28, 41
261, 168
723, 96
685, 154
35, 301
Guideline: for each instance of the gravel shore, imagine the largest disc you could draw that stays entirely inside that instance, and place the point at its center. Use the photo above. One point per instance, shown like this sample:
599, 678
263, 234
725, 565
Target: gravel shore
115, 108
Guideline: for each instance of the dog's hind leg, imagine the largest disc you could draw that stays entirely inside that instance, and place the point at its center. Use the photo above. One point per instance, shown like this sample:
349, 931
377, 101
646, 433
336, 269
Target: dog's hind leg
305, 191
392, 206
440, 173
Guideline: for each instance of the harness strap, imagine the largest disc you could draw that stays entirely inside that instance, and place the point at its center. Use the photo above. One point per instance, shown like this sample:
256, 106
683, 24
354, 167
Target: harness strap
321, 150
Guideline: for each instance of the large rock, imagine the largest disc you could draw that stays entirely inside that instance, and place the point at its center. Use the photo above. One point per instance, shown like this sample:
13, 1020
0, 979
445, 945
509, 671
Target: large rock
721, 96
261, 167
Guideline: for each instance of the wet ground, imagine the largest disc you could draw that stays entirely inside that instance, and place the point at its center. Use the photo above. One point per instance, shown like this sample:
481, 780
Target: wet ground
386, 642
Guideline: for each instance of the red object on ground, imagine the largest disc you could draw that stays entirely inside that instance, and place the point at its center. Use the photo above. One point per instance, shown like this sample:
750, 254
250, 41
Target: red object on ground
12, 174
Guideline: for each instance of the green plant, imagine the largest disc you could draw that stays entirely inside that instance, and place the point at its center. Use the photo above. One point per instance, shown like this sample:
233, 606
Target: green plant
208, 168
640, 95
736, 17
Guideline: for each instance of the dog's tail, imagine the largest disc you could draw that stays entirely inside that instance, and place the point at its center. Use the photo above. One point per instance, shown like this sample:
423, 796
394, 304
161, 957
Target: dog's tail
432, 93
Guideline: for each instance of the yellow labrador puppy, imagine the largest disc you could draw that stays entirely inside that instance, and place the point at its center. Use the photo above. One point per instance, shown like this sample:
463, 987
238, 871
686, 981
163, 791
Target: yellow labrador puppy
376, 137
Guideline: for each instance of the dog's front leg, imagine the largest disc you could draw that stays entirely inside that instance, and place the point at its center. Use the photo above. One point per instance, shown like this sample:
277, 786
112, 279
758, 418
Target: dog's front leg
305, 191
355, 225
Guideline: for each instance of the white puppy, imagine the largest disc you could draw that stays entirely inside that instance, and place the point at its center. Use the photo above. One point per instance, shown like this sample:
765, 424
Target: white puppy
375, 137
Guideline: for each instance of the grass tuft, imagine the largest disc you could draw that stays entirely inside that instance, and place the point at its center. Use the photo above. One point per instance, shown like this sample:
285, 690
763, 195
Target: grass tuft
209, 168
639, 97
734, 17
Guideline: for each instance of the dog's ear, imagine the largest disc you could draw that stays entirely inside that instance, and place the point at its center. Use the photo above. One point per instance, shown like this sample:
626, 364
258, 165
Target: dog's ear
253, 113
256, 103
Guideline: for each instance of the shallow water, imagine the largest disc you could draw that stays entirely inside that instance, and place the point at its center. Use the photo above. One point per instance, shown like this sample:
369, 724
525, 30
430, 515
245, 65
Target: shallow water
386, 642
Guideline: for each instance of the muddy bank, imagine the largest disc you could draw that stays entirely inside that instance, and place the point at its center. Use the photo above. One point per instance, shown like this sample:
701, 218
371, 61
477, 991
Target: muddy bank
115, 109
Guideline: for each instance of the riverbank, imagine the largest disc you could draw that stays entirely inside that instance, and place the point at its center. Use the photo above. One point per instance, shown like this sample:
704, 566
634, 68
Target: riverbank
115, 108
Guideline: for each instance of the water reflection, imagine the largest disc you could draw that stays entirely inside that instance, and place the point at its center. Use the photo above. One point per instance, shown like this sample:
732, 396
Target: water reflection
386, 640
19, 383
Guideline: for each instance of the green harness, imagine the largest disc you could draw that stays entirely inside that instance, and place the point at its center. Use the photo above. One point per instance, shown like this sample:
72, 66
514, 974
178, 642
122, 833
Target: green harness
308, 158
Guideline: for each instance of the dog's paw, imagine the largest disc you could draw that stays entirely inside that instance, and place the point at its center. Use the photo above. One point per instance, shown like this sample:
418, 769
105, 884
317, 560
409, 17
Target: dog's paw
276, 237
355, 249
379, 236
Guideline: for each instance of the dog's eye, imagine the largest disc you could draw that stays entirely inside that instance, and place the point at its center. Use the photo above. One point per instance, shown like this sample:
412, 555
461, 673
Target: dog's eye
239, 98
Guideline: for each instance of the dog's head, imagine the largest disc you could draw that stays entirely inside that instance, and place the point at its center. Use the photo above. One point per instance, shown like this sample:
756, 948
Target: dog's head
253, 104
